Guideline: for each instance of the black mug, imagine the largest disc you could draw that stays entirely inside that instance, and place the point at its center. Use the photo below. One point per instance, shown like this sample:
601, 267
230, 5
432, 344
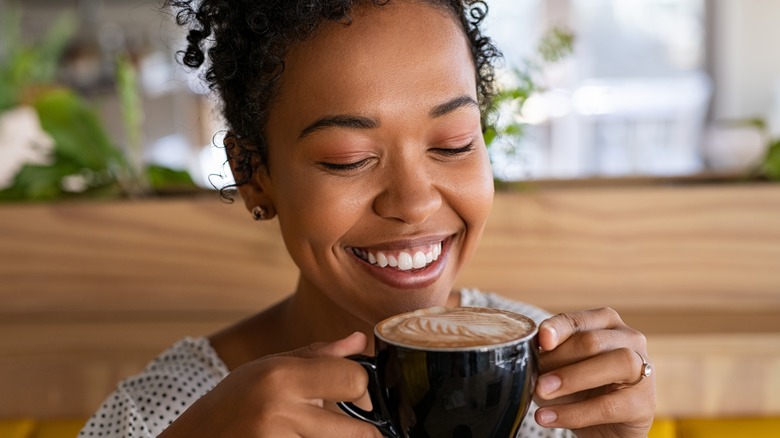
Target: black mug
479, 391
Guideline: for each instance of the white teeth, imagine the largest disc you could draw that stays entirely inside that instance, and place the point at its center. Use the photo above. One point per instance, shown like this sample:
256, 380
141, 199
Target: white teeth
405, 261
419, 260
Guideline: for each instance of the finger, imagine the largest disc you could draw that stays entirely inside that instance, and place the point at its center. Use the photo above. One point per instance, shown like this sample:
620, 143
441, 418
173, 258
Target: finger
585, 345
619, 407
322, 423
315, 379
557, 329
619, 366
310, 421
353, 344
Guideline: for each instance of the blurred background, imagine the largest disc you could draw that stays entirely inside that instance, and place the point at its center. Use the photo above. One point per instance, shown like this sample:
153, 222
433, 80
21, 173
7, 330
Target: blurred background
652, 87
643, 136
640, 88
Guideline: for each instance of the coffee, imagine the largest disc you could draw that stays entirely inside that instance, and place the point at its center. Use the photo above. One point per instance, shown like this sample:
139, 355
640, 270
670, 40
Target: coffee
455, 328
450, 372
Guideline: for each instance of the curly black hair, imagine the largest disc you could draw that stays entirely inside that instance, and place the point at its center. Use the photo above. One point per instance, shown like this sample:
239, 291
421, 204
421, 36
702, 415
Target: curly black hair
246, 42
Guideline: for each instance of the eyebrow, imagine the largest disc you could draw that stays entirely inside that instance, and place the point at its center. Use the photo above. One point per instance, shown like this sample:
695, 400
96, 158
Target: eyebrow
360, 122
452, 105
342, 121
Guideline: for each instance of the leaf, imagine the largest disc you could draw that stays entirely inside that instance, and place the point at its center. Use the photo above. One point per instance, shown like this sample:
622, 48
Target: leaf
130, 103
9, 46
556, 44
38, 183
23, 65
50, 49
489, 135
163, 177
771, 166
77, 132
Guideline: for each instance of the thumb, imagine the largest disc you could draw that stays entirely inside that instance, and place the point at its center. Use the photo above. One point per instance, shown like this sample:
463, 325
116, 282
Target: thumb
353, 344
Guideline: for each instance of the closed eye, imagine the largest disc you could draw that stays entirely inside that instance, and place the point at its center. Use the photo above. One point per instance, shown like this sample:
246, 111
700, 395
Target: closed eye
454, 152
345, 167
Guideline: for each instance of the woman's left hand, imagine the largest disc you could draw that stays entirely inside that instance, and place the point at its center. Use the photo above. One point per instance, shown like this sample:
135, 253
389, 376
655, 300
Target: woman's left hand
591, 376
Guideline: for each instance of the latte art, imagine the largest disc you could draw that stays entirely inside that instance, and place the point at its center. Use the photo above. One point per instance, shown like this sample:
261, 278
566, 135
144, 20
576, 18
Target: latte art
459, 327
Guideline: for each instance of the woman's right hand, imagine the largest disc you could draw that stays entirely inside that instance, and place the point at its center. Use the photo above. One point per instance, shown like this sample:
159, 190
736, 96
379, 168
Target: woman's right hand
284, 395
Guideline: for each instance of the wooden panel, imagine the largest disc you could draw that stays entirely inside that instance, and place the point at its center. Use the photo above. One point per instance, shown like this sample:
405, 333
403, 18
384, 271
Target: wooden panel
89, 292
661, 247
66, 369
162, 255
717, 375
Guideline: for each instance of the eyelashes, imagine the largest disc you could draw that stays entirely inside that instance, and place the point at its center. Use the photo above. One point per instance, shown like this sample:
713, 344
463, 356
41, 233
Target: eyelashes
337, 167
456, 151
443, 153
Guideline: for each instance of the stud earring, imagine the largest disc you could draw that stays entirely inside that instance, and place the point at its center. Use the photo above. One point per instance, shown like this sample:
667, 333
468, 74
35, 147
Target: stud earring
259, 213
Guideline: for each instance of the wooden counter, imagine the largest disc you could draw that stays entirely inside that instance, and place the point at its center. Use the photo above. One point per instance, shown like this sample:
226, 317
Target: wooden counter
89, 292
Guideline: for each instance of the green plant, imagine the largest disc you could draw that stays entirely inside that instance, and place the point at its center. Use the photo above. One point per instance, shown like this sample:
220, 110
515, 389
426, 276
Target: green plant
770, 168
84, 160
555, 45
22, 66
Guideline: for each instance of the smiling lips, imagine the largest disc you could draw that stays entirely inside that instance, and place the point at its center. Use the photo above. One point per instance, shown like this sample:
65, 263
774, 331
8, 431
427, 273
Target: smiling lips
404, 260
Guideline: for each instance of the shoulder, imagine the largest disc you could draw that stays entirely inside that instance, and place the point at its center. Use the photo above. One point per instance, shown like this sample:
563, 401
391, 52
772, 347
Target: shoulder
189, 357
477, 298
151, 400
190, 366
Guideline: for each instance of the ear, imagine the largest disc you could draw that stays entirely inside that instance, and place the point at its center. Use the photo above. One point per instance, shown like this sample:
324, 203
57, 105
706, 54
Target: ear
243, 159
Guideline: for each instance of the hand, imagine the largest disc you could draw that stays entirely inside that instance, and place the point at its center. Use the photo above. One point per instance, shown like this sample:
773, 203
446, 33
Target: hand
587, 362
284, 396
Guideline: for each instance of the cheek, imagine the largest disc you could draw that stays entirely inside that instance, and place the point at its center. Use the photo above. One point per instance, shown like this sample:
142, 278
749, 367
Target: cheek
475, 200
474, 192
320, 213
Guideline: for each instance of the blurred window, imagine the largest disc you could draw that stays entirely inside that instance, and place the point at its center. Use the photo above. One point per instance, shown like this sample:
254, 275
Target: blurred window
631, 100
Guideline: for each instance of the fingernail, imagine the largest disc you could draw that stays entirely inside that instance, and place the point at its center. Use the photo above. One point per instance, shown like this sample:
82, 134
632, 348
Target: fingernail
549, 384
547, 416
553, 334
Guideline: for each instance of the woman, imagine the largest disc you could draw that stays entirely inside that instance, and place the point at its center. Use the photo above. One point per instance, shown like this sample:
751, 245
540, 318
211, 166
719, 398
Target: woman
358, 125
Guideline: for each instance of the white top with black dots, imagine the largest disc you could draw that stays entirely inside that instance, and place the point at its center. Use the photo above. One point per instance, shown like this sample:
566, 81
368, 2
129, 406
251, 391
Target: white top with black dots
142, 406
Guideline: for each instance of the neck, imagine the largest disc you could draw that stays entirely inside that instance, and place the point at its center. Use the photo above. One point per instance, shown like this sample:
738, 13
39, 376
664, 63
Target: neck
313, 317
306, 317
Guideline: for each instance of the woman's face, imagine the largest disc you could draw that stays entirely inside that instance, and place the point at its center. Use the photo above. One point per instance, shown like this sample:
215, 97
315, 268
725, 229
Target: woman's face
377, 166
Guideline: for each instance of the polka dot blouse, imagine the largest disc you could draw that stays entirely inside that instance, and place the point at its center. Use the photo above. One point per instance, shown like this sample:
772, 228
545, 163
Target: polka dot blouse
142, 406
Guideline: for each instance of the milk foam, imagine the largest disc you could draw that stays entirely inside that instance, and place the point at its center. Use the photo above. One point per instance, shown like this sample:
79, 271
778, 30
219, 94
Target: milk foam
458, 327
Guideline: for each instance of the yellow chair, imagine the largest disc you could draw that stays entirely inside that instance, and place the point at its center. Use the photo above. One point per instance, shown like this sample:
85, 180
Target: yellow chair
58, 429
729, 427
16, 428
663, 428
26, 428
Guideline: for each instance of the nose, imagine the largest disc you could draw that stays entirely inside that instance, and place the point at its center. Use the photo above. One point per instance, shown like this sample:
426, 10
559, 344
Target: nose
409, 195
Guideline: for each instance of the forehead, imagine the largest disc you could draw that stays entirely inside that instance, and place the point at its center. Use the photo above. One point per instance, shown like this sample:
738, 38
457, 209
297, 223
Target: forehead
390, 58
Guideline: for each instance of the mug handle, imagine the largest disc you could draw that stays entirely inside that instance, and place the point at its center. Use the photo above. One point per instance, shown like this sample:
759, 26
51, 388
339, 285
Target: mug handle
375, 416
